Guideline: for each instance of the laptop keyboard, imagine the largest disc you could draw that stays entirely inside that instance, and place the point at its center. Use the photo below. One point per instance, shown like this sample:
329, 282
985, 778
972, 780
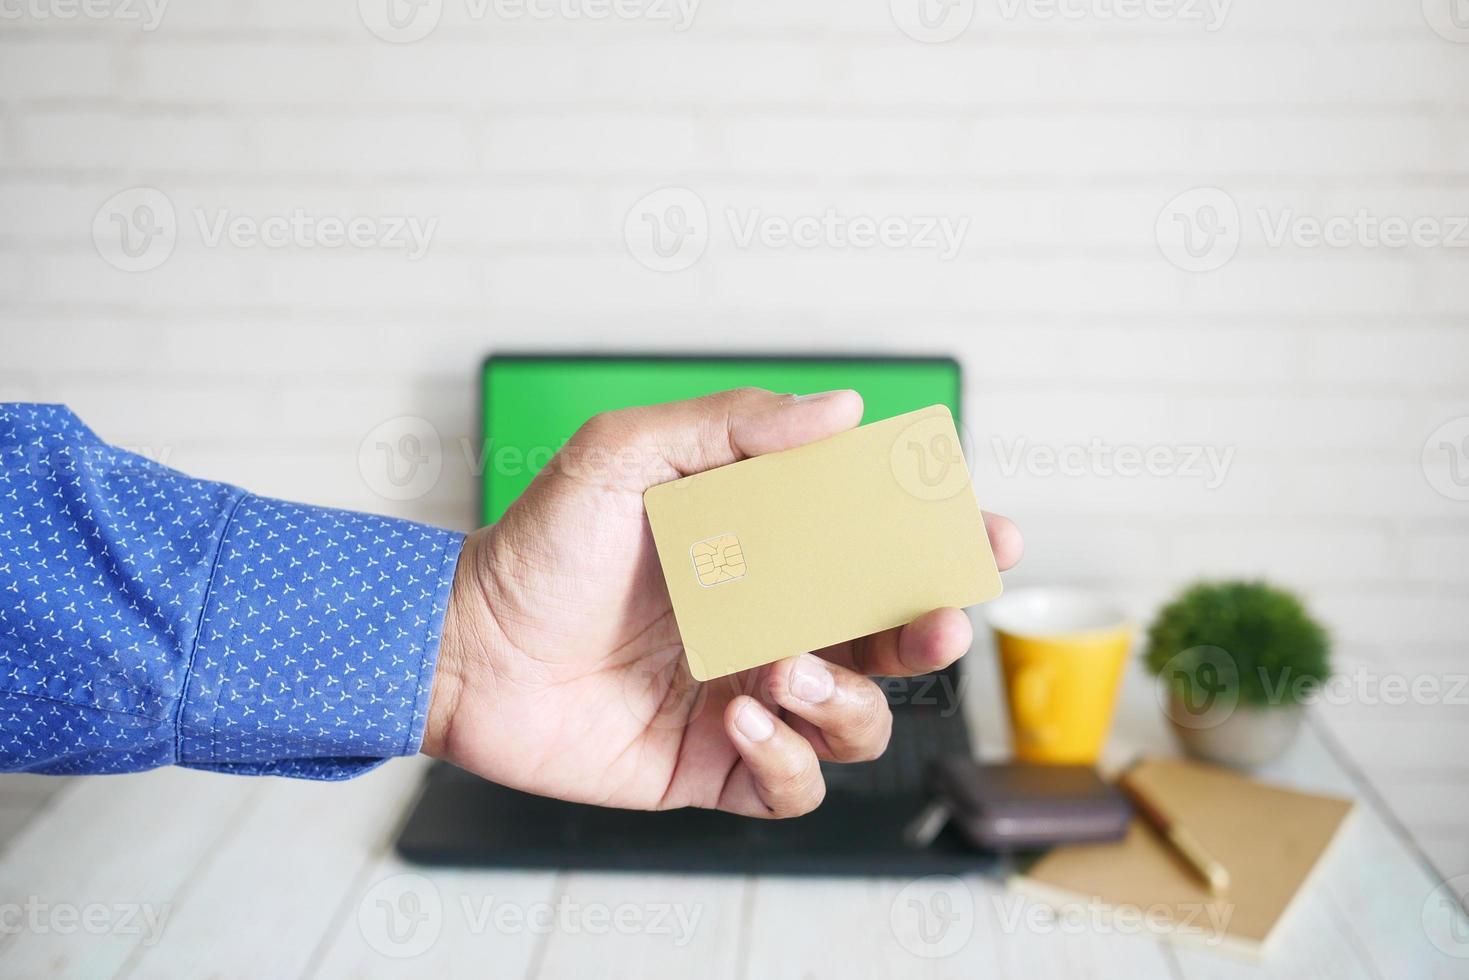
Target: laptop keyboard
919, 735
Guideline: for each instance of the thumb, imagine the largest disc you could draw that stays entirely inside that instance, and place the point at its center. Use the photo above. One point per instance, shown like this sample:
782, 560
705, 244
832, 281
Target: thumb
681, 438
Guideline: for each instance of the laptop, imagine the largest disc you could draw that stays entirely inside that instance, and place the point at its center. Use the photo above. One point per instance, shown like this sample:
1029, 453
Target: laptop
539, 400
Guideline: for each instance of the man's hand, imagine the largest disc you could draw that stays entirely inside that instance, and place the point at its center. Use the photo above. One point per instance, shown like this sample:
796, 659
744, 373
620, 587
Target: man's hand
561, 671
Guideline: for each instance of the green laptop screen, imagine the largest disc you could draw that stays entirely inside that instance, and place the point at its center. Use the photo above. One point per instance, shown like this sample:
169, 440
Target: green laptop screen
533, 404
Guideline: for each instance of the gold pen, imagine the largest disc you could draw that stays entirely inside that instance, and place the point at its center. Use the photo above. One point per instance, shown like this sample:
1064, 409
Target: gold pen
1215, 875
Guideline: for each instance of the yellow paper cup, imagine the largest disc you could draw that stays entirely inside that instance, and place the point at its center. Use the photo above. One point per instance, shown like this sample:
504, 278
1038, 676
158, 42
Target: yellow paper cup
1061, 654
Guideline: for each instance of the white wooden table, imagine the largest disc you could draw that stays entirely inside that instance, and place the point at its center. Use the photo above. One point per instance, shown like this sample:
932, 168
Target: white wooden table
273, 878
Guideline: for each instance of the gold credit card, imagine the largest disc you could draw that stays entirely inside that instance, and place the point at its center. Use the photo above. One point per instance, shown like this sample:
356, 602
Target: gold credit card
794, 551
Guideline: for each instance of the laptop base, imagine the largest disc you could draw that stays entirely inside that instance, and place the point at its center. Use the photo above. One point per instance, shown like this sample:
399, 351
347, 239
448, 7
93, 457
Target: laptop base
464, 821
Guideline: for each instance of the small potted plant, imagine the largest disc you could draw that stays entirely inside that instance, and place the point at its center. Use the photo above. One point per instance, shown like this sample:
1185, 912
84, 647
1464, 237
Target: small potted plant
1236, 662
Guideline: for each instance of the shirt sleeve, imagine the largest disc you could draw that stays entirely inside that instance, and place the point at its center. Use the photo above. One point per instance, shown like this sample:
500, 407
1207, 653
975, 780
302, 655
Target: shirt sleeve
148, 619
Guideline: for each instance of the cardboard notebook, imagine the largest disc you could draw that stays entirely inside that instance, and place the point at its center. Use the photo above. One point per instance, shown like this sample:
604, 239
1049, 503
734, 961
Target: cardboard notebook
1269, 838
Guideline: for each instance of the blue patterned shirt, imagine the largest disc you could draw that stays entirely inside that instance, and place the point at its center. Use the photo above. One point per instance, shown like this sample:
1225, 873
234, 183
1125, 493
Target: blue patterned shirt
149, 619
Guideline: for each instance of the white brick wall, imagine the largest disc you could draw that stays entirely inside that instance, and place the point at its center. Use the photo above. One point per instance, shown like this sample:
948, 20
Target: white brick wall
1324, 370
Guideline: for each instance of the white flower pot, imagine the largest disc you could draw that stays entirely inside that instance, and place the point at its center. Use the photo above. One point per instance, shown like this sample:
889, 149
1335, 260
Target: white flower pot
1243, 736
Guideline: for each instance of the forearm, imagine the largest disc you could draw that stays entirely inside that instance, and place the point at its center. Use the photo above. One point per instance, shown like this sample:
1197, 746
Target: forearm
149, 618
317, 644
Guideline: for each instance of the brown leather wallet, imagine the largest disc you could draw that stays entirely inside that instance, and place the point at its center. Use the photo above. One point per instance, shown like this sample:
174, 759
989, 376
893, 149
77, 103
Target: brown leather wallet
1018, 806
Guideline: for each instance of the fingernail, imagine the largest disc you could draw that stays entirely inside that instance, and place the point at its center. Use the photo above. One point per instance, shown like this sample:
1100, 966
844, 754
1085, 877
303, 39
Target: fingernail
810, 680
821, 395
754, 722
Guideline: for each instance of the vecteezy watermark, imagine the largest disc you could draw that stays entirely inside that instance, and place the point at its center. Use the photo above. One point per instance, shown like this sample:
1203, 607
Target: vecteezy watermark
932, 21
98, 460
1209, 464
401, 458
35, 915
1368, 687
1445, 921
937, 21
939, 691
1210, 14
1449, 19
402, 916
667, 230
675, 921
406, 21
1445, 459
1362, 229
148, 14
1201, 687
400, 21
659, 691
137, 229
1201, 229
927, 461
933, 917
830, 228
299, 228
670, 229
1205, 921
